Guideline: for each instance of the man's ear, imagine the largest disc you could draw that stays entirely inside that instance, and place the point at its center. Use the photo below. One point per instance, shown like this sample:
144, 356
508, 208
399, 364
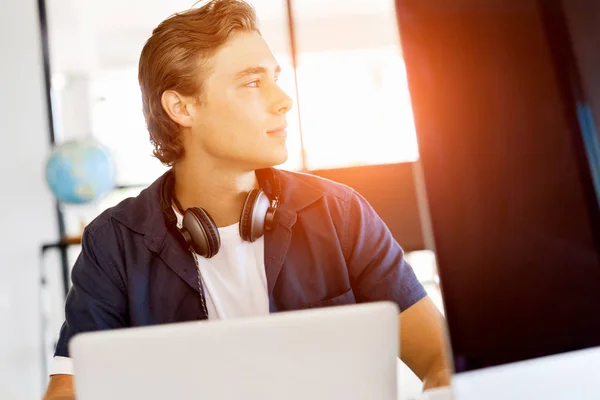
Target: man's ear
179, 108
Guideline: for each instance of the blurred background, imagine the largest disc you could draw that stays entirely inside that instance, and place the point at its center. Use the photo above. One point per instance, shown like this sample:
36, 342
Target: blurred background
69, 94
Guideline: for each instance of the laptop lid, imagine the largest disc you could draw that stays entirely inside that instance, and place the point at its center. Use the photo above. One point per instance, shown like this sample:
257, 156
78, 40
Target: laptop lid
346, 352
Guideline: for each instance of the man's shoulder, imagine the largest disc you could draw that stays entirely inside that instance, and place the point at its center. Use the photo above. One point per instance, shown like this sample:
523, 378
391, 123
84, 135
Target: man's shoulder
327, 188
107, 217
137, 213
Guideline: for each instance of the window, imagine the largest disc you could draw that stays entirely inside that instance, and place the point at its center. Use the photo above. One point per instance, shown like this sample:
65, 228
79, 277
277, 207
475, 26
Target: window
355, 108
118, 123
353, 93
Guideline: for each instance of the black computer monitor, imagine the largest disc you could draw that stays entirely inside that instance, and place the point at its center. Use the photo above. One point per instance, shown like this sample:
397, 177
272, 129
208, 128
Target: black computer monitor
506, 97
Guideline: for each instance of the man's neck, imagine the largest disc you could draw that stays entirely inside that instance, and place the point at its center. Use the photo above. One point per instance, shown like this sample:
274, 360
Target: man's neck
221, 191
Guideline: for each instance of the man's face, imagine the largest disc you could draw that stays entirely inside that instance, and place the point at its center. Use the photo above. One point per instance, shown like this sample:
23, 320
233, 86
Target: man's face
241, 118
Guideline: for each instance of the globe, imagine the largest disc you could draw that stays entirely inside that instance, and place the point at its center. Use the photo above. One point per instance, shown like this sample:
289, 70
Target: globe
80, 171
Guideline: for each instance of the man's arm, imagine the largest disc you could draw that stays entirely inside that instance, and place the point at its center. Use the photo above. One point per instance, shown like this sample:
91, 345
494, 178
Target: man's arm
379, 272
423, 343
60, 387
96, 301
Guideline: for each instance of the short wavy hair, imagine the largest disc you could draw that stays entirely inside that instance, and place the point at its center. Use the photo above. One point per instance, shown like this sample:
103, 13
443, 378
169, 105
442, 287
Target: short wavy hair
174, 58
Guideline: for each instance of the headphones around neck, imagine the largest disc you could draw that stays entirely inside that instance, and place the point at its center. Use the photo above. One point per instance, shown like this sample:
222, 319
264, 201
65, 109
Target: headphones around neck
202, 235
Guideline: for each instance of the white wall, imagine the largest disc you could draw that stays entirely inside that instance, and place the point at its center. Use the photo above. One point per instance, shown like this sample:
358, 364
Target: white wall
27, 206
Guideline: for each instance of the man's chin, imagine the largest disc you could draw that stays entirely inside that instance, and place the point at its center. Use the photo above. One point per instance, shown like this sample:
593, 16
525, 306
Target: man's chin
260, 161
274, 160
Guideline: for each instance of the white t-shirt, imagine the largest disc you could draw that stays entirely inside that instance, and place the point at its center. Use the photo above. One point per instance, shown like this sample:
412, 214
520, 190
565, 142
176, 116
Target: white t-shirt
234, 281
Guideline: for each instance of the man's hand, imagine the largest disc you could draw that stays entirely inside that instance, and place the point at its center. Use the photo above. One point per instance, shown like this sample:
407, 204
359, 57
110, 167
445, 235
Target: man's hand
423, 343
60, 387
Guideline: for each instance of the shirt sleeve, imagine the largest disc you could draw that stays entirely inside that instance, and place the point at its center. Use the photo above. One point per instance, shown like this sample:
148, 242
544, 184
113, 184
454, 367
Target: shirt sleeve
97, 298
61, 366
376, 262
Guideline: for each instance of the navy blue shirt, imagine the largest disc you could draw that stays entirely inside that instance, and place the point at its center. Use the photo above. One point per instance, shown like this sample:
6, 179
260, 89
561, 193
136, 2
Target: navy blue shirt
327, 247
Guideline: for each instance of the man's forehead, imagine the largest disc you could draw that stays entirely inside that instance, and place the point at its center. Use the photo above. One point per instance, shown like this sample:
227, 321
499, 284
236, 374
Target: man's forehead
242, 52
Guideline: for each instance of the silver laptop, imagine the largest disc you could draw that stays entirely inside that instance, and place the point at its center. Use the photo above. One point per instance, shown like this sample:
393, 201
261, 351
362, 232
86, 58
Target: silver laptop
345, 352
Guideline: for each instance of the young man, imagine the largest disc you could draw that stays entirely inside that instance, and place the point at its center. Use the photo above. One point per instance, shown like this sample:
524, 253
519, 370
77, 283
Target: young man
196, 245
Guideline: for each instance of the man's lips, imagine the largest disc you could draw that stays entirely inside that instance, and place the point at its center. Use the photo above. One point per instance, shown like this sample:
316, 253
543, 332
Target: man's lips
281, 131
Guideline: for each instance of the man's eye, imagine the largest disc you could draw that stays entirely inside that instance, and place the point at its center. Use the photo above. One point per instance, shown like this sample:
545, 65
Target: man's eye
253, 84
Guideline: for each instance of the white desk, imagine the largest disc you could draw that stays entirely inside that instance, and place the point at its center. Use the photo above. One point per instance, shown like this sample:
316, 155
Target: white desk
573, 375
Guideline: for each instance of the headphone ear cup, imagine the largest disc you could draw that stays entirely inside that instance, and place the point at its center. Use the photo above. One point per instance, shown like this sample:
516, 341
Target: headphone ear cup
200, 232
254, 212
